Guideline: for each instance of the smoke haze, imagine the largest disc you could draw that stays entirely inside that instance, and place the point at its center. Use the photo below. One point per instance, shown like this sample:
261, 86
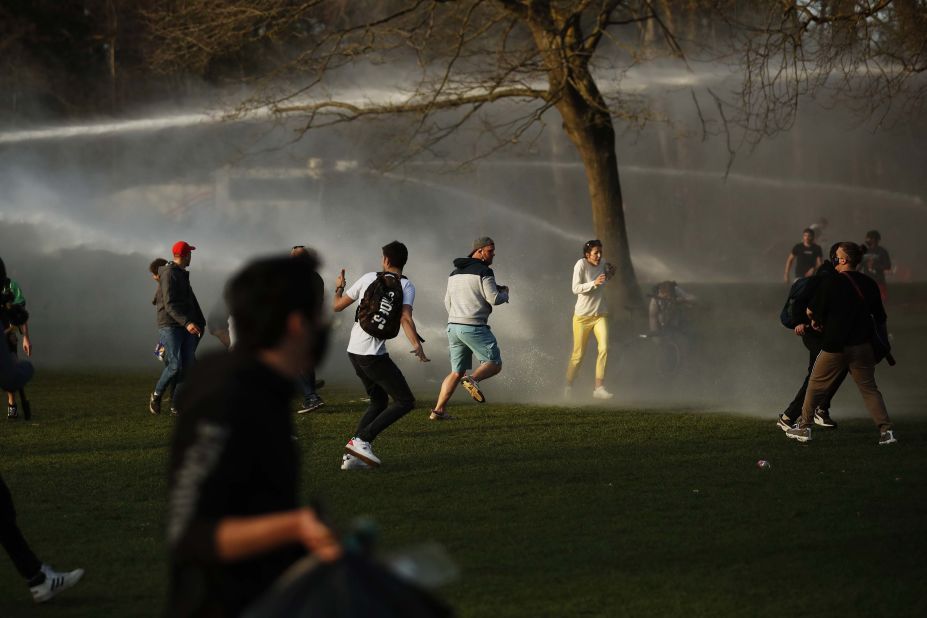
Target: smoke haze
83, 212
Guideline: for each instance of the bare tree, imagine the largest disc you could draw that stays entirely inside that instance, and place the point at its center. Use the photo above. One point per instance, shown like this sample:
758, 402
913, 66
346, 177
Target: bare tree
870, 55
448, 60
452, 56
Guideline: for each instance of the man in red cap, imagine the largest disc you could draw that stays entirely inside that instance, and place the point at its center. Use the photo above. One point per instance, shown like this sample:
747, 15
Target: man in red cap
180, 324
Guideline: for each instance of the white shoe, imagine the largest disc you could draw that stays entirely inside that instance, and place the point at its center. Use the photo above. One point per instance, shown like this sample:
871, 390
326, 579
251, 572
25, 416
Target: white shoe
601, 393
350, 462
54, 583
362, 450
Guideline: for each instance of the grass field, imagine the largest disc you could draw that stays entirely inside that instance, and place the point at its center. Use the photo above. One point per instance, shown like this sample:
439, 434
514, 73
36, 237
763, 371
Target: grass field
548, 511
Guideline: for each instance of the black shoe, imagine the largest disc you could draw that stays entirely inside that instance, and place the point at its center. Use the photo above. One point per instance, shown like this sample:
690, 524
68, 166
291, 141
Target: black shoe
313, 402
12, 413
319, 384
784, 423
822, 419
154, 404
174, 411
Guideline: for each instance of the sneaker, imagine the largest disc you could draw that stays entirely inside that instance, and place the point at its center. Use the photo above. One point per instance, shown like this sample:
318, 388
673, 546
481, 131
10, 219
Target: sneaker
12, 413
174, 411
799, 433
350, 462
472, 388
313, 402
440, 416
887, 437
362, 450
54, 583
784, 423
601, 393
154, 404
822, 419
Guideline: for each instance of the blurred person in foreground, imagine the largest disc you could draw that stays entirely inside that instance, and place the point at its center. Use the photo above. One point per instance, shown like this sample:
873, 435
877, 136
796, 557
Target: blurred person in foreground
234, 519
180, 325
43, 581
471, 294
589, 316
876, 261
848, 309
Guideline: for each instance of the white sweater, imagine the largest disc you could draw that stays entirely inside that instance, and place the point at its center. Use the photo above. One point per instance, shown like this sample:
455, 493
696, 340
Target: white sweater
590, 298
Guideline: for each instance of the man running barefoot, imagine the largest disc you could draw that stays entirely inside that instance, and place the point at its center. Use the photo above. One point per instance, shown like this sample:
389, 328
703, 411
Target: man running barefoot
471, 294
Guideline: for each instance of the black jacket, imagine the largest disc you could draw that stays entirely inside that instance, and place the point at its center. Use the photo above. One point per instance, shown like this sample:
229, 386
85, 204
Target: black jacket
232, 454
176, 304
844, 315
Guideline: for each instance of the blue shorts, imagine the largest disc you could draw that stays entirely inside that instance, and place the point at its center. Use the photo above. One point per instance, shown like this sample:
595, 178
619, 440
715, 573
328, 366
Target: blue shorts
464, 341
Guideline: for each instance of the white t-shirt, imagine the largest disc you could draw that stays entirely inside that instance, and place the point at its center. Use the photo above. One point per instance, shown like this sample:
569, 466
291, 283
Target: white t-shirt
361, 342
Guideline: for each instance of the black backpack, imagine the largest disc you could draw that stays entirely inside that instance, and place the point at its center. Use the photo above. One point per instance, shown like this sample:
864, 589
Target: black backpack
380, 310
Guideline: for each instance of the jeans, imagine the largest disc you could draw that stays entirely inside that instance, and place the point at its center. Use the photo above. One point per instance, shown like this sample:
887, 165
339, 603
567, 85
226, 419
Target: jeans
307, 383
180, 353
382, 380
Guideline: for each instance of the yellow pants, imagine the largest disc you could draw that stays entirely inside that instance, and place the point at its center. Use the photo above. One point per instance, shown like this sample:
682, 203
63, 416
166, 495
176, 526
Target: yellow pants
583, 326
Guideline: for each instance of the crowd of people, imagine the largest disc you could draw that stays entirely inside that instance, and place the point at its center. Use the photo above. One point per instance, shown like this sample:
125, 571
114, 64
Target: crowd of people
234, 520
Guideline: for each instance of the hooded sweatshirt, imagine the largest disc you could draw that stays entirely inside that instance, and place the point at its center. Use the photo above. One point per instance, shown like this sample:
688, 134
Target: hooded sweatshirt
472, 292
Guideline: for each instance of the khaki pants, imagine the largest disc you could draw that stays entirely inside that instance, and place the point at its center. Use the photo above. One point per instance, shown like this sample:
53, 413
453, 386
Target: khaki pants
583, 326
828, 366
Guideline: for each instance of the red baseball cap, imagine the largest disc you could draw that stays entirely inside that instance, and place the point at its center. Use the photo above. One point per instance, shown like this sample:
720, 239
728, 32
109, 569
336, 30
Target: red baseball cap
182, 247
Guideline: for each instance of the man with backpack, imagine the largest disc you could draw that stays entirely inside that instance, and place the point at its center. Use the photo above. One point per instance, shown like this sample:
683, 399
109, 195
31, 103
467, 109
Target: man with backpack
386, 306
794, 316
848, 309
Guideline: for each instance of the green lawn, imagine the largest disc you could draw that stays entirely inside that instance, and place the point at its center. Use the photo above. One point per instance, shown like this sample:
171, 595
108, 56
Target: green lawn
548, 511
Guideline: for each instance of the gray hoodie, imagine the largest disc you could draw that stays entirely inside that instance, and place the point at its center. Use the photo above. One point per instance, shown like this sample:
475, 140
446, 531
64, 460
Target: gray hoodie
472, 292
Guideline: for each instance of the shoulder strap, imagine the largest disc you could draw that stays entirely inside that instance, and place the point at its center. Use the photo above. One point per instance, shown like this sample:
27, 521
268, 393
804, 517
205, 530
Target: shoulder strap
859, 292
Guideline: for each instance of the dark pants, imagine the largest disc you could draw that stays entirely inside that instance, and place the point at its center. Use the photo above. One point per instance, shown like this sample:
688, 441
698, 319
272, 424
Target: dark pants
382, 380
307, 383
793, 412
180, 353
12, 539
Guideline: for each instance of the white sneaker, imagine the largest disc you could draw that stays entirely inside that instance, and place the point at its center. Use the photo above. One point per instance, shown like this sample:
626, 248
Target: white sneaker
362, 450
54, 583
601, 393
350, 462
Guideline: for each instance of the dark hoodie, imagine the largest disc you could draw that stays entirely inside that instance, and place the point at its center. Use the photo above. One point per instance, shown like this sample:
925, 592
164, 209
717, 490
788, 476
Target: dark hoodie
176, 304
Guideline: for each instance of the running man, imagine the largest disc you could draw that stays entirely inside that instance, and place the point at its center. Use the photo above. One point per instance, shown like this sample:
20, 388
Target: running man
471, 294
378, 373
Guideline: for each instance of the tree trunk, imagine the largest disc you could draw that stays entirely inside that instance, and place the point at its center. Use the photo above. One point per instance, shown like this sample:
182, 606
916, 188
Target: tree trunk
593, 134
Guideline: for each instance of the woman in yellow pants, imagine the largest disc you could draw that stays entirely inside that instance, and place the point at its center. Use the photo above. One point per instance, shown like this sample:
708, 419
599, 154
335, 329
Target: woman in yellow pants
589, 317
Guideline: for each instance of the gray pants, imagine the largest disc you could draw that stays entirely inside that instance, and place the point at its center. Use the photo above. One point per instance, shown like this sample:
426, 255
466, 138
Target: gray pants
828, 368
